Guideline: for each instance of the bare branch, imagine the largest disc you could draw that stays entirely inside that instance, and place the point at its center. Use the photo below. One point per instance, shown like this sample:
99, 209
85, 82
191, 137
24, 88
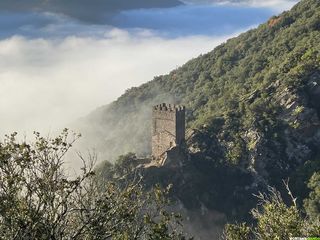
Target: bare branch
286, 184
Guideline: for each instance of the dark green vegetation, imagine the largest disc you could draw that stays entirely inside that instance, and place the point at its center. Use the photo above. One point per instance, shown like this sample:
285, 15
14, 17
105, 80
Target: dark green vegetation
275, 220
38, 200
254, 105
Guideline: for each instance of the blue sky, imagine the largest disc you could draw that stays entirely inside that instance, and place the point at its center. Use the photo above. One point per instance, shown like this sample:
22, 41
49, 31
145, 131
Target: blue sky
209, 20
56, 66
184, 20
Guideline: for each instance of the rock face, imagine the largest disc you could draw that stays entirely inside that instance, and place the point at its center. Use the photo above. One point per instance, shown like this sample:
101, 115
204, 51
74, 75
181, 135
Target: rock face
175, 157
298, 137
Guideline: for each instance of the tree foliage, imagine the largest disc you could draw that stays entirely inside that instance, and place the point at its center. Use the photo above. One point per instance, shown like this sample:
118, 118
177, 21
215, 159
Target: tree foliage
312, 203
275, 220
39, 200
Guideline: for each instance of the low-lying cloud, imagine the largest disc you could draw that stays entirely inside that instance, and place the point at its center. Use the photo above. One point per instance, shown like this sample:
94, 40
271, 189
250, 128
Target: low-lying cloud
46, 83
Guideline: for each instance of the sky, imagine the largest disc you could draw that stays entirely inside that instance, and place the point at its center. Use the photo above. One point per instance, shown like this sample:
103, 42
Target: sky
59, 62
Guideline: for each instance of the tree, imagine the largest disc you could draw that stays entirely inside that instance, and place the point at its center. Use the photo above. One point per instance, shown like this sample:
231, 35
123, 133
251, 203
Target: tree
275, 220
312, 204
237, 231
38, 200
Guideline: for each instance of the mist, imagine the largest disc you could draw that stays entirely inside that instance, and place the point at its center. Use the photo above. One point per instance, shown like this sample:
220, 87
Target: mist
45, 84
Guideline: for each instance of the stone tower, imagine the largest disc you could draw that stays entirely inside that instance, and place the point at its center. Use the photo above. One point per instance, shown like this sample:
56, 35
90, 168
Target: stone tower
168, 128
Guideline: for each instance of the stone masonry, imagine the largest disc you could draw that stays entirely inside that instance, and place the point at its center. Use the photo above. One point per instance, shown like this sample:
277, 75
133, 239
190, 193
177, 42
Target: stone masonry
168, 128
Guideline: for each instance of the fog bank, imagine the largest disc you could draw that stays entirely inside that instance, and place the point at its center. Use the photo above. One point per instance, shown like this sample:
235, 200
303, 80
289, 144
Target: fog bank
46, 83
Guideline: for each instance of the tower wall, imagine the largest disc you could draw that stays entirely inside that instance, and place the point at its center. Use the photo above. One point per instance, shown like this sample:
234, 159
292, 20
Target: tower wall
168, 128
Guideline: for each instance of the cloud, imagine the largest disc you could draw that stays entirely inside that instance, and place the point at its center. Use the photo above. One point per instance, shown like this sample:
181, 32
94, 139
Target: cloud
185, 20
45, 25
102, 11
95, 11
172, 23
277, 5
46, 83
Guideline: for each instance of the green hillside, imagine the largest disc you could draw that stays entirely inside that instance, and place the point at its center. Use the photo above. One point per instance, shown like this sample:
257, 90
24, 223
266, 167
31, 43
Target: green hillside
242, 86
254, 105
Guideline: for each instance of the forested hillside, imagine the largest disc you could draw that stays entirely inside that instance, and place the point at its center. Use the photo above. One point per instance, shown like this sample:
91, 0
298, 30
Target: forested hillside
253, 104
242, 89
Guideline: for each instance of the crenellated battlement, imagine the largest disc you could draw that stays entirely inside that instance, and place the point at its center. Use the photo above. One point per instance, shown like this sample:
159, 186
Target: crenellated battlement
169, 107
